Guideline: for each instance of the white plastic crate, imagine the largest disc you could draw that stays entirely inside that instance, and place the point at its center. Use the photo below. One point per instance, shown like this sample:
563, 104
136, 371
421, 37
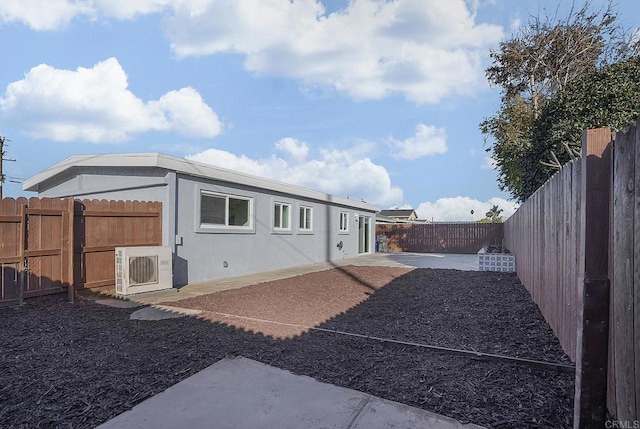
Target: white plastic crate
505, 262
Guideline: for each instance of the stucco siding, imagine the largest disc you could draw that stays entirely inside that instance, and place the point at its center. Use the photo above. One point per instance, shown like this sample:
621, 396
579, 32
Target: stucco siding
204, 252
219, 254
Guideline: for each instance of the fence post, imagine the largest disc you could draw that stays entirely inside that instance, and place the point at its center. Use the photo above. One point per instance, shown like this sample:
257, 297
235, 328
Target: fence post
593, 322
67, 247
23, 275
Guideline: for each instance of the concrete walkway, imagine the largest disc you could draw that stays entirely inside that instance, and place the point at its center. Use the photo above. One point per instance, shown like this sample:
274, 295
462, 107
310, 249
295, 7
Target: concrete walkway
416, 260
240, 393
435, 260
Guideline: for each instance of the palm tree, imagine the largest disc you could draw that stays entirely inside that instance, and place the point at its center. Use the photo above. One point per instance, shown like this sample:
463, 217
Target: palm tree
494, 214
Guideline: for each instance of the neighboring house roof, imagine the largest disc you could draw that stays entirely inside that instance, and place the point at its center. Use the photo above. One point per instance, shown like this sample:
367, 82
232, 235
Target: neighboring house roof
400, 213
184, 166
380, 218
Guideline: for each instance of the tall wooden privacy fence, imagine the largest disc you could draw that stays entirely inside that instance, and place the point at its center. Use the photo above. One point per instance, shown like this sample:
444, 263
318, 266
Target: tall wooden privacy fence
36, 248
101, 226
51, 245
582, 228
440, 237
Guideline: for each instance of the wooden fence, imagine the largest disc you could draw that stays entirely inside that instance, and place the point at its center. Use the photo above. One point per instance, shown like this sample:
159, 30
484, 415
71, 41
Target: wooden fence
544, 234
100, 226
624, 363
582, 228
440, 237
36, 237
51, 245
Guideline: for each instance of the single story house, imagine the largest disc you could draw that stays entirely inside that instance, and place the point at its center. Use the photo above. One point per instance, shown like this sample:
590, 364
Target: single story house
400, 214
218, 222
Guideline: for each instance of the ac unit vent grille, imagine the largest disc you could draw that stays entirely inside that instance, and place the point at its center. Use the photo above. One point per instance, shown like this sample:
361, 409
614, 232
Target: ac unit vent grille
143, 270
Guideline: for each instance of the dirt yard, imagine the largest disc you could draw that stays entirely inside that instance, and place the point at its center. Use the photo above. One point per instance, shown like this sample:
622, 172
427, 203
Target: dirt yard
77, 365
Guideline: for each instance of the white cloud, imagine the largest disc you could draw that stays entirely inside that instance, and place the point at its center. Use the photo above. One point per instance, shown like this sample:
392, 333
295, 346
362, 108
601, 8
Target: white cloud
370, 49
186, 112
127, 9
94, 105
337, 172
53, 14
515, 24
293, 149
40, 15
488, 163
459, 209
428, 140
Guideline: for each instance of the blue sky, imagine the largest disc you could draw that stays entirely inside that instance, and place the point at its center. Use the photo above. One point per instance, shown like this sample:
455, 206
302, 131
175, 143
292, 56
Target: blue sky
372, 100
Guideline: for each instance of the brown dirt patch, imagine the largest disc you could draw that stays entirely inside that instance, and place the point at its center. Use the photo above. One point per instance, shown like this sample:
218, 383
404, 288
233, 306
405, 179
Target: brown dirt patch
288, 307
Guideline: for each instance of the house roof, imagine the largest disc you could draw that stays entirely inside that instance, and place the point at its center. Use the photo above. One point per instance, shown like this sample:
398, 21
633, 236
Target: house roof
184, 166
398, 212
386, 219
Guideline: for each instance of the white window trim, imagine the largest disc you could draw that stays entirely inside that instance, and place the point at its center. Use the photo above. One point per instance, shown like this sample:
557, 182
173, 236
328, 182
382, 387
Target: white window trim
344, 230
226, 228
303, 230
280, 229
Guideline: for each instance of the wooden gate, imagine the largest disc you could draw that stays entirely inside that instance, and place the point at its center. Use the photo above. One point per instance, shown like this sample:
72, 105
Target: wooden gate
50, 245
11, 250
36, 237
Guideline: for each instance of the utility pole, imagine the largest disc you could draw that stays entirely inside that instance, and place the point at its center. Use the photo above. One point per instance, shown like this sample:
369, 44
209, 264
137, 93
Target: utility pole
2, 160
2, 139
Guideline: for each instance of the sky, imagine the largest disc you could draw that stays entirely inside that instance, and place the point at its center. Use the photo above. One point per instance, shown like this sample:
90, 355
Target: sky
372, 100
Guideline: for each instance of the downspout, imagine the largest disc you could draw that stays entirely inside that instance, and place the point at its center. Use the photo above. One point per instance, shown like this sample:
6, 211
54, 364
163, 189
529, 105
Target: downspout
172, 213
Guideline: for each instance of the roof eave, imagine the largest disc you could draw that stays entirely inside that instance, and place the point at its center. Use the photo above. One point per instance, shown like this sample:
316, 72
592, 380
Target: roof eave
188, 167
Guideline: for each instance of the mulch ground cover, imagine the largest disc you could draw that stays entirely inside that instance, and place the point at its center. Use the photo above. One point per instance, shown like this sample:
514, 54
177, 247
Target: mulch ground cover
77, 365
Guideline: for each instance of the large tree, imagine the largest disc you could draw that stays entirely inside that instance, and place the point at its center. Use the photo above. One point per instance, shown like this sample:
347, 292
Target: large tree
604, 97
537, 64
511, 130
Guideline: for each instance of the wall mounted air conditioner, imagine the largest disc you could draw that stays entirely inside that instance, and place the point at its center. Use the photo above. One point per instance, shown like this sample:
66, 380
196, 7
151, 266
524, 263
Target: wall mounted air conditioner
143, 269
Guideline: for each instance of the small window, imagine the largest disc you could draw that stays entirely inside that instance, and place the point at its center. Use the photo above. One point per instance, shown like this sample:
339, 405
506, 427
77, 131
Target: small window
281, 216
238, 212
344, 221
305, 219
224, 211
213, 210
